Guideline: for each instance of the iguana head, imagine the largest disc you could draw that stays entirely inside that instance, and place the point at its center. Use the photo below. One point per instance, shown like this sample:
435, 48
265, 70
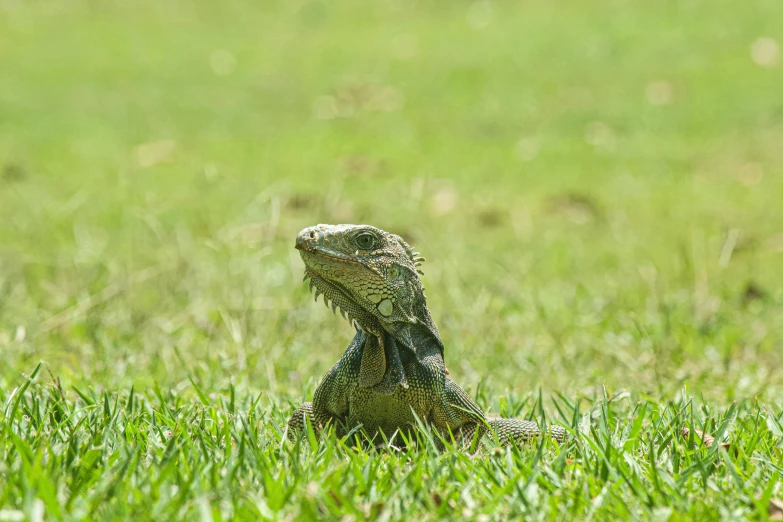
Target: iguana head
372, 276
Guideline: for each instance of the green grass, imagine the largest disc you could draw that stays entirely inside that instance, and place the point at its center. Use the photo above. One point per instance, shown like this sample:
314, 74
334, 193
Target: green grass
597, 187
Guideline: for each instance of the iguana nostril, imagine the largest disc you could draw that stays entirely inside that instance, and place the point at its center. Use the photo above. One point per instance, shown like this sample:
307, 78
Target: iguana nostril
305, 239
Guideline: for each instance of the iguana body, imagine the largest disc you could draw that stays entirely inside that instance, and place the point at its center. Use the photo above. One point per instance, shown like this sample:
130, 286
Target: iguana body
394, 366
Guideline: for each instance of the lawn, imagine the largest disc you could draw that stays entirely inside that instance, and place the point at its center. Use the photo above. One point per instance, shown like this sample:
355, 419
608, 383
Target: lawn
597, 187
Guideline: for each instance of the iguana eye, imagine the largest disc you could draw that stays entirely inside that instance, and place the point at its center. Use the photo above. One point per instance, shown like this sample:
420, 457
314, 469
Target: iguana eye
365, 241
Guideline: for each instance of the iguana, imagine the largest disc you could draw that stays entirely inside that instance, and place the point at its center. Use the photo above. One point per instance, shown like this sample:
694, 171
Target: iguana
394, 366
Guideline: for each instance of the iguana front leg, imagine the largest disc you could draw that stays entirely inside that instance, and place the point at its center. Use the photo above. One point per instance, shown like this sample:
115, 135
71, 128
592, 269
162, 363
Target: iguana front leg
329, 407
468, 419
330, 400
461, 414
297, 424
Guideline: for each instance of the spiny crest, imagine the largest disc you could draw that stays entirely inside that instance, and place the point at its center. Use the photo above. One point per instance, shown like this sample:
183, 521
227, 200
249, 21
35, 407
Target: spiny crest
415, 257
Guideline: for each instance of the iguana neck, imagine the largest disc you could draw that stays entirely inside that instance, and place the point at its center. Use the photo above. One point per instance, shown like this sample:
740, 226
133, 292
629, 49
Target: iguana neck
420, 335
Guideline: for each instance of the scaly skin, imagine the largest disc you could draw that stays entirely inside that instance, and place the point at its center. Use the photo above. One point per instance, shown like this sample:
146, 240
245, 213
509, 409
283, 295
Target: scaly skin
394, 366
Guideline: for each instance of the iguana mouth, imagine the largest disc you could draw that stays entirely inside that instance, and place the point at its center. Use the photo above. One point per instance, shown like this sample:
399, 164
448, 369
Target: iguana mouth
319, 251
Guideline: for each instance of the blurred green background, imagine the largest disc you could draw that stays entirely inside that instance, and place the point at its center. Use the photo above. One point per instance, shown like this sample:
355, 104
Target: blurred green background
597, 186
